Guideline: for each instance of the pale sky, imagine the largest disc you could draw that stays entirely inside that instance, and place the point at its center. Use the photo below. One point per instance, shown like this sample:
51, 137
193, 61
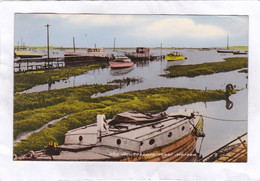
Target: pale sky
131, 30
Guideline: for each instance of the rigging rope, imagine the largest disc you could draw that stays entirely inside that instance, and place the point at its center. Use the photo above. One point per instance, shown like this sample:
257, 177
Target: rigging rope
222, 119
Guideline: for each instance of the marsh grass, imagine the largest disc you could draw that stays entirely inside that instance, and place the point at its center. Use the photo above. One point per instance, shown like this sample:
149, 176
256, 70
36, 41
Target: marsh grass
229, 64
24, 81
82, 109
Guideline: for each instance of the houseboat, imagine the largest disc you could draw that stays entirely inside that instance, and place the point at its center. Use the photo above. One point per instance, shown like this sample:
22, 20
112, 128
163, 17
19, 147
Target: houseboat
92, 55
174, 56
130, 136
141, 53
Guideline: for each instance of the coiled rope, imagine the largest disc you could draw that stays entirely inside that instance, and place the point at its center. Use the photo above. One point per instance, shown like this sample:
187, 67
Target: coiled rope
219, 119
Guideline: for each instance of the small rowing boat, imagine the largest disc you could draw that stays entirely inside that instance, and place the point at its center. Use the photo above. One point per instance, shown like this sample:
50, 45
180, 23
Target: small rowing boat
121, 62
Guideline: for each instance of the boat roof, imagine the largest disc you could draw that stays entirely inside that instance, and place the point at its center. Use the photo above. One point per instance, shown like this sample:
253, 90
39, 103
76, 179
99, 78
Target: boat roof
136, 117
95, 49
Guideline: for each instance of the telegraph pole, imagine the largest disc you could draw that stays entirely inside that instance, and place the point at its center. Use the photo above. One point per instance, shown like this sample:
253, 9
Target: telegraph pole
48, 44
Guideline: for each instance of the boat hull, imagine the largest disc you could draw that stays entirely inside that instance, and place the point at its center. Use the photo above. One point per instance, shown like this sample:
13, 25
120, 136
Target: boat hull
225, 51
179, 151
174, 58
24, 54
77, 60
92, 55
118, 65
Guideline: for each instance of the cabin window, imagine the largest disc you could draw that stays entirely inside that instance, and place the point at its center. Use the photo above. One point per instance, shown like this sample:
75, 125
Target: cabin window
182, 128
118, 141
151, 142
80, 138
169, 134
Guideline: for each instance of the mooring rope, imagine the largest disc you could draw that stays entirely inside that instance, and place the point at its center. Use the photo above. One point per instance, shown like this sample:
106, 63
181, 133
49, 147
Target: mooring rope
219, 119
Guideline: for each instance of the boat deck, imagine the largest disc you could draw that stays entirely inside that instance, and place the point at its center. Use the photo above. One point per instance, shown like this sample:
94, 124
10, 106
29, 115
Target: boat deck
100, 153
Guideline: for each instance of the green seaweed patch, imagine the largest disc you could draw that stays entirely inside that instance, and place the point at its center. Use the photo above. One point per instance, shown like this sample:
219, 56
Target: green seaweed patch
34, 110
229, 64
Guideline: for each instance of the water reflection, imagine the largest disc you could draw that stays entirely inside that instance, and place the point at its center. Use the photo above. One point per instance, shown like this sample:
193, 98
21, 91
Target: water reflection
229, 104
229, 91
117, 72
144, 63
172, 63
126, 82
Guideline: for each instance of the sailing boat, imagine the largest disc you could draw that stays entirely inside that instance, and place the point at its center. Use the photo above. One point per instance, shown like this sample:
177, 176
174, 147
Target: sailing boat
226, 50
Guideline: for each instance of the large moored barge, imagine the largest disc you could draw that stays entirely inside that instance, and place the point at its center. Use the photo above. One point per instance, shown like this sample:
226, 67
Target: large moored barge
130, 136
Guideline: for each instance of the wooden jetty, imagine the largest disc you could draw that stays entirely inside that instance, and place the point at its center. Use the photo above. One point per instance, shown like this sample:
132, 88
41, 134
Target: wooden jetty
231, 152
32, 64
238, 154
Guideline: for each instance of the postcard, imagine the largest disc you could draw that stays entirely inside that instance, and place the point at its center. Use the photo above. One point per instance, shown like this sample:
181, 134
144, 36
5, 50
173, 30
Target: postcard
98, 87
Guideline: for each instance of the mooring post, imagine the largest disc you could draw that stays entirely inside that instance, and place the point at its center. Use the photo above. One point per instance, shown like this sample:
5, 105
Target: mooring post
27, 64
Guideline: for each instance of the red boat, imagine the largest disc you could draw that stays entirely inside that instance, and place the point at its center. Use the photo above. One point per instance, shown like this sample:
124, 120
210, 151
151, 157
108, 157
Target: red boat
121, 62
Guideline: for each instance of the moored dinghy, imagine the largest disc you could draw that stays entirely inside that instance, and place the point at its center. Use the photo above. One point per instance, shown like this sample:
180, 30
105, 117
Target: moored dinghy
131, 136
121, 62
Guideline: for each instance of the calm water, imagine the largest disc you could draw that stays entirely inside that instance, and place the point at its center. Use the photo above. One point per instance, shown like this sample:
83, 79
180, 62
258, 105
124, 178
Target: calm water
217, 132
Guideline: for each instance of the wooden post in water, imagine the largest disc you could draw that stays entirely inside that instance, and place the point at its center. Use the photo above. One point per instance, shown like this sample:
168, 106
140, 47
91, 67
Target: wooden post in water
27, 65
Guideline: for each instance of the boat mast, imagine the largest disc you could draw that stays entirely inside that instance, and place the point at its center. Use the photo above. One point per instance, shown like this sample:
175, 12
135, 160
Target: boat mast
161, 50
74, 43
114, 44
227, 42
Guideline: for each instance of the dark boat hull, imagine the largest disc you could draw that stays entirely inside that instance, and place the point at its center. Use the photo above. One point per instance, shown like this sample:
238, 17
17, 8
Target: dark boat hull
78, 60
